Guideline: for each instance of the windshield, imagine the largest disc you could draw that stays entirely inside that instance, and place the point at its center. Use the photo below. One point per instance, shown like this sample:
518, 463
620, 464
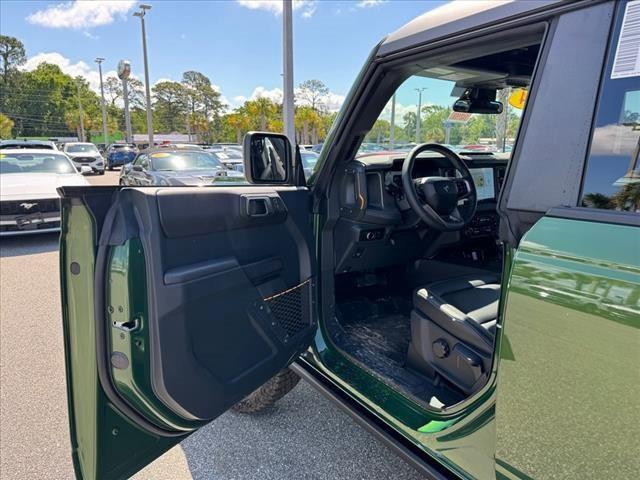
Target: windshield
489, 93
84, 148
122, 147
35, 163
184, 161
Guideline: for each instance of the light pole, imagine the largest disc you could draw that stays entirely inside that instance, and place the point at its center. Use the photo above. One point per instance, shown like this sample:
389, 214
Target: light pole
418, 119
124, 71
287, 44
99, 61
80, 112
141, 13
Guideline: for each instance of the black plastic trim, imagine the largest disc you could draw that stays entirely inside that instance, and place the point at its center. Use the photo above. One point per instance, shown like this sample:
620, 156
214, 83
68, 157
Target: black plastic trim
428, 467
199, 270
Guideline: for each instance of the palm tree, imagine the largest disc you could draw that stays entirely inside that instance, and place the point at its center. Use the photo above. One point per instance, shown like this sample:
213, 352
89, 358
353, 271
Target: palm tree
628, 197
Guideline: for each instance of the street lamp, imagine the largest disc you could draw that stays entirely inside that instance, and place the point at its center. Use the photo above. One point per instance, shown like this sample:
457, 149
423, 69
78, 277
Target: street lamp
418, 119
124, 71
288, 111
80, 111
99, 61
141, 13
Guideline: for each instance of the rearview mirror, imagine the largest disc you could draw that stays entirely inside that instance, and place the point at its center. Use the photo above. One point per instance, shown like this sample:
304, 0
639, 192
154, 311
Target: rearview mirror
478, 100
267, 158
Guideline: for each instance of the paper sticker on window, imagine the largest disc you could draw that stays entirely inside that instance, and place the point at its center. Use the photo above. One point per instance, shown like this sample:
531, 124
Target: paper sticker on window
627, 60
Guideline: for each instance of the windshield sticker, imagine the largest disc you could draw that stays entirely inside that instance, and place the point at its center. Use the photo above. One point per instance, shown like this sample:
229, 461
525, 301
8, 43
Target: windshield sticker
627, 60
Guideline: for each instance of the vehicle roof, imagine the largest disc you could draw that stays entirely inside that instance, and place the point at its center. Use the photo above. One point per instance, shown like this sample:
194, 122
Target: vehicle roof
77, 143
33, 142
457, 17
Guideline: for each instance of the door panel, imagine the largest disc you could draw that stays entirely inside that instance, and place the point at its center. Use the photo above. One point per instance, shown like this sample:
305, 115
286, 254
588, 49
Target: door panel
568, 376
200, 294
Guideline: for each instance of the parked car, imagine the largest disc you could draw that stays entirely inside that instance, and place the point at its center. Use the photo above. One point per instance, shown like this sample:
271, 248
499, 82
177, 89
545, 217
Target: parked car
177, 166
119, 154
85, 154
29, 202
400, 285
229, 157
31, 144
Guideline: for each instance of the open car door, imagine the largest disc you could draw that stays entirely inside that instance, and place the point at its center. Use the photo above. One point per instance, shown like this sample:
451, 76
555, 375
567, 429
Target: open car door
177, 303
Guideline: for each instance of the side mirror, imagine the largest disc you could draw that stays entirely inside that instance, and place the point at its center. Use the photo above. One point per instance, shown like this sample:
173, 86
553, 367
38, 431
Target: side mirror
267, 158
137, 168
86, 170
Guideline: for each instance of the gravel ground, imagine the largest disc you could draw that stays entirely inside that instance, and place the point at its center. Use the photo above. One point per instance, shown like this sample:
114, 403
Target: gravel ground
303, 436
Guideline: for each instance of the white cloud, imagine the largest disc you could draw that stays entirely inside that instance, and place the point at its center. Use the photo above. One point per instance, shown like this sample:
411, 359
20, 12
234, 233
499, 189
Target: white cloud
90, 35
81, 14
308, 7
401, 111
369, 3
160, 80
275, 94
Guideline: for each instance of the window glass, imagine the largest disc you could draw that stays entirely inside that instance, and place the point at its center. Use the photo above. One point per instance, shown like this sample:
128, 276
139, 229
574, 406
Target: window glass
170, 161
489, 93
35, 163
612, 178
81, 148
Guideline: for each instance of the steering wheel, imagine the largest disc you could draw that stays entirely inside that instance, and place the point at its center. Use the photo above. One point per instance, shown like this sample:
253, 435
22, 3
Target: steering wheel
435, 199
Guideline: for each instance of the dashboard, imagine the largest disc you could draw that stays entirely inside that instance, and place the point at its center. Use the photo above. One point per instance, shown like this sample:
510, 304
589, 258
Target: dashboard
376, 226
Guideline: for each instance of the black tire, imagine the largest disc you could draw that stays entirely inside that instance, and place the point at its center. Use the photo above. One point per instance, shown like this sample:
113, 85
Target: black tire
269, 393
101, 172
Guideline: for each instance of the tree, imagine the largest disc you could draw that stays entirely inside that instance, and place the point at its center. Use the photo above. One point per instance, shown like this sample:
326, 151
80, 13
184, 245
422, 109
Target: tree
409, 119
6, 126
597, 200
202, 99
170, 105
261, 110
239, 122
312, 92
12, 54
380, 132
113, 92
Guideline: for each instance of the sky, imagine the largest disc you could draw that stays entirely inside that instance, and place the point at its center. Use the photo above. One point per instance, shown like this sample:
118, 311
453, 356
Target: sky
237, 44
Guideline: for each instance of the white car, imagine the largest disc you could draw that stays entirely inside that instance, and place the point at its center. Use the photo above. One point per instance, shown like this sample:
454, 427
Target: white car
85, 154
29, 202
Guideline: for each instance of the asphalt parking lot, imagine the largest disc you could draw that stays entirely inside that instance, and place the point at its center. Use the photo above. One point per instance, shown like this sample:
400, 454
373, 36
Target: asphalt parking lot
303, 436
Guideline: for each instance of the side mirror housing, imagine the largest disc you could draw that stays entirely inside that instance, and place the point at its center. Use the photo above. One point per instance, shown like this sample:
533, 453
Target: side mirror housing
267, 158
137, 168
86, 170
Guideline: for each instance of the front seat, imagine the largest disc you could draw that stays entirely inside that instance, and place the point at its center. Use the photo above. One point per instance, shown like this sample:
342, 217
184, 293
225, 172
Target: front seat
453, 326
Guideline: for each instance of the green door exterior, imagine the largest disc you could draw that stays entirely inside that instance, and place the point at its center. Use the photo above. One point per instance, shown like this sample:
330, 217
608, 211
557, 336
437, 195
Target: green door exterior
569, 371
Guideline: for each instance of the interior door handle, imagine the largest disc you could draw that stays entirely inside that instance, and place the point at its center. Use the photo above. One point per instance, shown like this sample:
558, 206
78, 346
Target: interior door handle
259, 206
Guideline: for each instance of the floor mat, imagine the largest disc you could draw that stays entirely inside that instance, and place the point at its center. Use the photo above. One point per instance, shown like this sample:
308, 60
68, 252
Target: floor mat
377, 335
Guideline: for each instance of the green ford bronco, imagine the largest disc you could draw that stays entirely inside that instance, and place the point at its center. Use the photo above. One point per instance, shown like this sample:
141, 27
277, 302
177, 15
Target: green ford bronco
474, 302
